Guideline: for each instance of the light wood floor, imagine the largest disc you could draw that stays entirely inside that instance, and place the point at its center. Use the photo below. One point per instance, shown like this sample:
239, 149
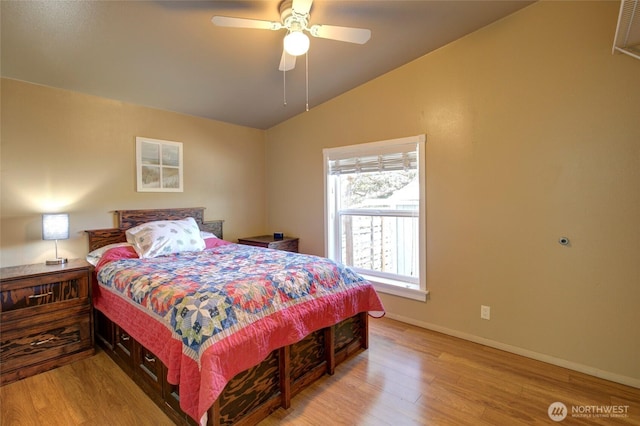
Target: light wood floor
408, 376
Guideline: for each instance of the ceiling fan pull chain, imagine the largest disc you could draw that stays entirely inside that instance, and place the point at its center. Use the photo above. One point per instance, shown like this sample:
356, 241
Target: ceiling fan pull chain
306, 66
284, 83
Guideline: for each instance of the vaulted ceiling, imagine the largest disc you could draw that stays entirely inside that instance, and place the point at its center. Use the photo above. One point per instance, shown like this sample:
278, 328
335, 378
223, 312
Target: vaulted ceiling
168, 54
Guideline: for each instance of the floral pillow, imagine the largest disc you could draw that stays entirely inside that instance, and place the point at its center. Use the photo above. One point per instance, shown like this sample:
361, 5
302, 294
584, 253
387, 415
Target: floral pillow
163, 237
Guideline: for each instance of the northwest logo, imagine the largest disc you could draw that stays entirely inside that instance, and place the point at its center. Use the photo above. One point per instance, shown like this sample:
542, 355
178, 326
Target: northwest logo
557, 411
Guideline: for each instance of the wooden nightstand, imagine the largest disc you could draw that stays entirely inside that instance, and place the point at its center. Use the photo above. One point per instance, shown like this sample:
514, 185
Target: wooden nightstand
286, 243
45, 317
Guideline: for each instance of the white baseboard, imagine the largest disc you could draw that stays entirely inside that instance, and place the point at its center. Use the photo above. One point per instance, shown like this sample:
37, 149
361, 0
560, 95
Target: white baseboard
617, 378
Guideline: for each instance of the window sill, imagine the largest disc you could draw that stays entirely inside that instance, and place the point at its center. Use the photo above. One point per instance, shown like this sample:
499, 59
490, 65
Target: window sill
397, 288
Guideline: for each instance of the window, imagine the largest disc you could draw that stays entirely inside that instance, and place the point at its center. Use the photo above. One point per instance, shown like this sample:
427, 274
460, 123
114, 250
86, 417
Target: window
375, 212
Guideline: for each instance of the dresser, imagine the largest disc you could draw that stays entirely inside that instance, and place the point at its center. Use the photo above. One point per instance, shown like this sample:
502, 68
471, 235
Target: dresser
286, 243
45, 317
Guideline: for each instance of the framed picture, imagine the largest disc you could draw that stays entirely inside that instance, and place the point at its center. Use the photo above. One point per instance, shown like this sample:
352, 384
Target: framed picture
159, 165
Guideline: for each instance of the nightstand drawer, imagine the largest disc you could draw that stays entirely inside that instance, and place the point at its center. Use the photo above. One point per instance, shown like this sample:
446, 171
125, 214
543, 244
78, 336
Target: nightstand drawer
267, 241
54, 288
23, 347
290, 244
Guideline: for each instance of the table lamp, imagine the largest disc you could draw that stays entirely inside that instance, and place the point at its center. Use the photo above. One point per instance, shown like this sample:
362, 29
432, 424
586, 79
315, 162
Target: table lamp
55, 227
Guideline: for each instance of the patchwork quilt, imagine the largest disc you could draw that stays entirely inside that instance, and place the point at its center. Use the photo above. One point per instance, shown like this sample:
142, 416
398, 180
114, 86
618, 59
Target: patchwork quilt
211, 314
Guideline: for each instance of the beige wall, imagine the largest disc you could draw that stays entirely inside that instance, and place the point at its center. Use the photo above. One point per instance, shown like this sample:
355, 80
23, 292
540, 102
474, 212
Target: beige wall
532, 134
69, 152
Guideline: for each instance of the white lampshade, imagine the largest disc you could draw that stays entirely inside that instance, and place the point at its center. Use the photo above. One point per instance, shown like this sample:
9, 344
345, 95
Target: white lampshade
55, 226
296, 43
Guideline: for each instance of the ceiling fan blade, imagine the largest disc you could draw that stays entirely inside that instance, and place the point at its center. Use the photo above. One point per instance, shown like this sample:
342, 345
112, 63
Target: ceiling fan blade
348, 34
226, 21
301, 6
287, 62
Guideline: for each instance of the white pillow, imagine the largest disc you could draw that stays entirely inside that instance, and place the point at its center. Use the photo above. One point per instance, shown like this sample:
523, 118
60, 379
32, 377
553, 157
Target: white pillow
205, 235
95, 256
163, 237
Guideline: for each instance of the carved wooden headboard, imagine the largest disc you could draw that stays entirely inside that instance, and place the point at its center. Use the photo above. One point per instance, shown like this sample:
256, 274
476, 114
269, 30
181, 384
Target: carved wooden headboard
130, 218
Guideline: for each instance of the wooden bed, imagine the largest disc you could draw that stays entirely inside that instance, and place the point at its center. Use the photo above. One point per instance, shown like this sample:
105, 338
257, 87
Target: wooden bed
251, 395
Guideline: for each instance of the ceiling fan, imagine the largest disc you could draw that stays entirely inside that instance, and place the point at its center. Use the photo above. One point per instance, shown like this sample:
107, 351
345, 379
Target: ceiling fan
294, 17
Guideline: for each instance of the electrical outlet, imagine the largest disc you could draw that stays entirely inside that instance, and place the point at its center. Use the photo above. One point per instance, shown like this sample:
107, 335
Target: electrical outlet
485, 312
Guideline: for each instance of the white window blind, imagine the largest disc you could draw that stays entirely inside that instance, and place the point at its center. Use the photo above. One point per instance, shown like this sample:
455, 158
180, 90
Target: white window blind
401, 160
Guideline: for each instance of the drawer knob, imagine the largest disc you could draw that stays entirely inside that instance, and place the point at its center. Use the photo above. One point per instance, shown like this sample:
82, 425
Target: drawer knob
149, 358
124, 337
37, 296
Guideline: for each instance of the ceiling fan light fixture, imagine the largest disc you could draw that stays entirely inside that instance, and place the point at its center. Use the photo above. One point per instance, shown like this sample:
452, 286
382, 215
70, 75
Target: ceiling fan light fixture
296, 43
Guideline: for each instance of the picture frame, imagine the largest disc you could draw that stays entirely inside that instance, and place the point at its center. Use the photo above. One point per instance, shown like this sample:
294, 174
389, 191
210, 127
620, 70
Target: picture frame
159, 165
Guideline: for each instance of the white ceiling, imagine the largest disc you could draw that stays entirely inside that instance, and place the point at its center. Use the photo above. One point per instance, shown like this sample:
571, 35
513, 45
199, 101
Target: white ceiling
168, 54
